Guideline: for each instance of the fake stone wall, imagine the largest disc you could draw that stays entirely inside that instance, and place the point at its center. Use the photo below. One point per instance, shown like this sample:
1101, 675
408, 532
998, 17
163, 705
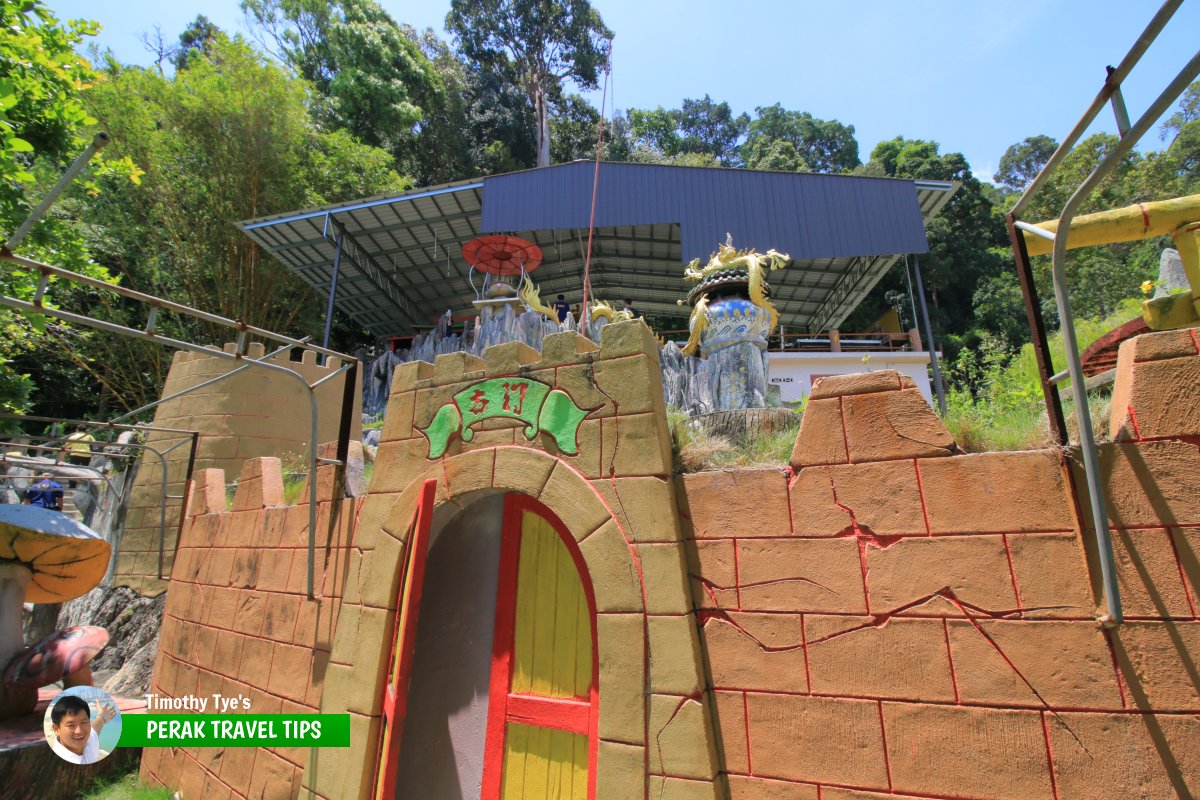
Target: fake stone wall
238, 622
253, 414
883, 618
241, 617
886, 619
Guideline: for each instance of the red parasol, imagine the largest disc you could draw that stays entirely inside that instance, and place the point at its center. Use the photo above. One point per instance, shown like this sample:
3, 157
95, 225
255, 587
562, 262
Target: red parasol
502, 255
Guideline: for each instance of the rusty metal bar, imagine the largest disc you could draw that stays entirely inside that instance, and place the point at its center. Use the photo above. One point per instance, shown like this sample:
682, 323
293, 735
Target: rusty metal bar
1037, 328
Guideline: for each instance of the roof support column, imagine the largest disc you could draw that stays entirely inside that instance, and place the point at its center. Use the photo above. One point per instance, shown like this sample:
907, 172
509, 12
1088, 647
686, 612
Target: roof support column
933, 357
337, 265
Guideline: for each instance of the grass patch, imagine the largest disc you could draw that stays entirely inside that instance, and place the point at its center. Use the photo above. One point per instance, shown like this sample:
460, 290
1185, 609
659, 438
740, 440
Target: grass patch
127, 787
695, 449
1007, 411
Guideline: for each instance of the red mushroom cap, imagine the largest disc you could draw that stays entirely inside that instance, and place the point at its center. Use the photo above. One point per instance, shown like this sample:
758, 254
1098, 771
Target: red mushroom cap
58, 655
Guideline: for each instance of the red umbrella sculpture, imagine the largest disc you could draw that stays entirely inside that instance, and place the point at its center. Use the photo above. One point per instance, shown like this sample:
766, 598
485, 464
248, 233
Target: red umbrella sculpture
502, 256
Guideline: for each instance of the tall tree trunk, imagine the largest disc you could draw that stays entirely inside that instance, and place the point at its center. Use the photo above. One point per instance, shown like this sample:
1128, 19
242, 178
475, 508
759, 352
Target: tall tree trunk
543, 123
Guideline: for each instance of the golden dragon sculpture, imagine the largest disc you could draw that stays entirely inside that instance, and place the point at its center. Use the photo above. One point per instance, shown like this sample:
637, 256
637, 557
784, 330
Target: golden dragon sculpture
696, 326
729, 259
531, 296
602, 309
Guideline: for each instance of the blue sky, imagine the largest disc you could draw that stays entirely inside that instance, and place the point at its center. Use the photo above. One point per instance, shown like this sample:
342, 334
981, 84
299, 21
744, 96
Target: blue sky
973, 75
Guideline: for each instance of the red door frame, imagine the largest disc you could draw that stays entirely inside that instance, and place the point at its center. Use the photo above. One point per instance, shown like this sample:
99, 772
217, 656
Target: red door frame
566, 714
400, 657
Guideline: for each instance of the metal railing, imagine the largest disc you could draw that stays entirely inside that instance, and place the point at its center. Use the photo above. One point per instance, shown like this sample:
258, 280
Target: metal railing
1109, 94
40, 443
154, 306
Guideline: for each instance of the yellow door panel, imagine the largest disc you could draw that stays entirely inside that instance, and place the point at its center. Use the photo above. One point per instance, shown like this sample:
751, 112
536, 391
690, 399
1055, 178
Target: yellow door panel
552, 647
544, 764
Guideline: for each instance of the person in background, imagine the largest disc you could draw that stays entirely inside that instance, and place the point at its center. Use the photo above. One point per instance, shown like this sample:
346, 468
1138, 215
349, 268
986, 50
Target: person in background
79, 446
75, 732
562, 307
633, 311
46, 493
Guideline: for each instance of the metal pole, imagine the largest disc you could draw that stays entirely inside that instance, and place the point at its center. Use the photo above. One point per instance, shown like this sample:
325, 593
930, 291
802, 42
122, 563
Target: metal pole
337, 265
933, 358
1037, 327
1091, 466
98, 142
151, 300
349, 388
1111, 83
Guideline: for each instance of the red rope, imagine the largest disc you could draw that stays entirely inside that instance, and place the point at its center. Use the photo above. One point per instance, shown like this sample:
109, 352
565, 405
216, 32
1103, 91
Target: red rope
587, 261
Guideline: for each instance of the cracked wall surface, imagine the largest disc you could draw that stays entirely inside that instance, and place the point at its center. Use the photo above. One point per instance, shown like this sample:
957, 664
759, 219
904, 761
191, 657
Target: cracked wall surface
883, 618
237, 616
886, 618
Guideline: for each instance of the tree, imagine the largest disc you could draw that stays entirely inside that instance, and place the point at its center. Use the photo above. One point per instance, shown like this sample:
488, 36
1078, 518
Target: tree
226, 139
43, 125
1021, 162
573, 128
1184, 129
542, 43
373, 76
197, 37
701, 131
965, 239
819, 145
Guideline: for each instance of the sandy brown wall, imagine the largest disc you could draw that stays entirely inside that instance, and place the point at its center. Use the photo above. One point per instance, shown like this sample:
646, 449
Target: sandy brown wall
888, 620
238, 623
253, 414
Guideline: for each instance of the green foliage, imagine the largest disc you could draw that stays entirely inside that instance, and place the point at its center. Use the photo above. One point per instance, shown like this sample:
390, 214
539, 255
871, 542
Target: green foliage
373, 78
127, 787
1021, 162
995, 403
228, 138
816, 145
1184, 129
694, 449
541, 43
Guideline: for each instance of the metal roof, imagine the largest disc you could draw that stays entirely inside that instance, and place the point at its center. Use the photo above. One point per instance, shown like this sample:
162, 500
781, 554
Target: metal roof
402, 264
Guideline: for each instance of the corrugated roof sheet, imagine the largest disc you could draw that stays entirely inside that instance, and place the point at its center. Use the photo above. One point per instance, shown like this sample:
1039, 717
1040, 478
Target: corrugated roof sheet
808, 216
402, 262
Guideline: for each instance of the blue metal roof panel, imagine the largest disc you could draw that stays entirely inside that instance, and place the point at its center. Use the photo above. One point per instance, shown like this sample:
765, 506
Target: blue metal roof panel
806, 215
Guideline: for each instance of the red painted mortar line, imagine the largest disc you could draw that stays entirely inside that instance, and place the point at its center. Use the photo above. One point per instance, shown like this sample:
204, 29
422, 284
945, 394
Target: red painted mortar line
746, 720
919, 701
855, 788
1112, 653
1195, 341
921, 494
1187, 590
1137, 431
950, 657
887, 762
1012, 572
789, 477
804, 644
858, 533
1049, 755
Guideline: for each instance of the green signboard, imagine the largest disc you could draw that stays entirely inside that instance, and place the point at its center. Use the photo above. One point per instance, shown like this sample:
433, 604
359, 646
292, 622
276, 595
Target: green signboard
540, 407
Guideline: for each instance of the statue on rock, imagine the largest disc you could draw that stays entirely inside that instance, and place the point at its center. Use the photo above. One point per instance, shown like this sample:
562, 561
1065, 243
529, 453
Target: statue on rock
732, 316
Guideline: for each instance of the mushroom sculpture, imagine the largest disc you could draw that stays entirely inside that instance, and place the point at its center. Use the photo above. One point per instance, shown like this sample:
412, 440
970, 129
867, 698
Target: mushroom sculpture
45, 557
64, 655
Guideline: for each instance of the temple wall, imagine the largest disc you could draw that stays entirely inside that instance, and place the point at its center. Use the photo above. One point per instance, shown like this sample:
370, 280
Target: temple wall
253, 414
238, 622
886, 619
882, 618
